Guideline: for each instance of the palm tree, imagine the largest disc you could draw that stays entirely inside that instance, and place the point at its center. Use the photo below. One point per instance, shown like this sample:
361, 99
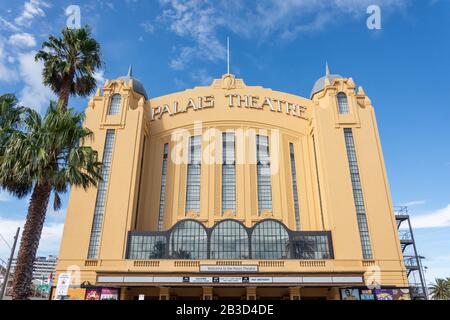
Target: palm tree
440, 290
70, 63
9, 122
44, 155
9, 116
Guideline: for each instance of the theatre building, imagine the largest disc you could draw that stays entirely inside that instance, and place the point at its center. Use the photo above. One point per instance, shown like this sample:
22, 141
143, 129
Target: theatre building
233, 191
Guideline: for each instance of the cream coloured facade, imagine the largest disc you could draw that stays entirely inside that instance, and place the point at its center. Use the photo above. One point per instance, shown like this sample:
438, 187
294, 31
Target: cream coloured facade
293, 203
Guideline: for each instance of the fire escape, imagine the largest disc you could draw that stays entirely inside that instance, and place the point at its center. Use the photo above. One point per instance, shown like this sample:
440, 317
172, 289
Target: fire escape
413, 261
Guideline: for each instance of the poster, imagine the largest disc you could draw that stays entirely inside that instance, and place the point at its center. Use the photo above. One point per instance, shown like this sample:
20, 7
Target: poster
401, 294
109, 294
392, 294
93, 294
366, 294
62, 286
102, 294
350, 294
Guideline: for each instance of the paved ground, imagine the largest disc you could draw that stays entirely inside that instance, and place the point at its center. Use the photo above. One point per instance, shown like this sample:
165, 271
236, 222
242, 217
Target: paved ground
43, 299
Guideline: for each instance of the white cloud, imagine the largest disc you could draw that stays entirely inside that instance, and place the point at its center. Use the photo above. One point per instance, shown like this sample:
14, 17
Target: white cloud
414, 203
435, 219
22, 40
194, 20
8, 25
183, 58
99, 76
201, 77
201, 20
436, 267
31, 9
148, 26
7, 74
50, 238
5, 196
60, 214
34, 94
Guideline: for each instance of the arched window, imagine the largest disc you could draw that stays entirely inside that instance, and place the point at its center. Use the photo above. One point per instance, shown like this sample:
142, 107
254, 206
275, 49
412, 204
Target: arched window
342, 103
229, 240
188, 240
114, 106
270, 240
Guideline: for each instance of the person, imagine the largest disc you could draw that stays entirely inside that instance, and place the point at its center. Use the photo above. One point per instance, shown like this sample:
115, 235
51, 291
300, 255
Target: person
348, 295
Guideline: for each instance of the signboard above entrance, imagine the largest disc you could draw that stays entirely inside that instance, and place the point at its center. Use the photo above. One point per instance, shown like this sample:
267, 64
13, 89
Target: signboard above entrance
219, 268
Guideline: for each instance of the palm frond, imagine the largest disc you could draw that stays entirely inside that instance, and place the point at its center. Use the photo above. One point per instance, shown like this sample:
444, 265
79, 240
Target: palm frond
56, 201
49, 150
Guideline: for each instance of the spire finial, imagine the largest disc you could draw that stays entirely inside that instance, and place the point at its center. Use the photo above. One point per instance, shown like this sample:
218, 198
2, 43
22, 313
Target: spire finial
228, 55
130, 71
327, 69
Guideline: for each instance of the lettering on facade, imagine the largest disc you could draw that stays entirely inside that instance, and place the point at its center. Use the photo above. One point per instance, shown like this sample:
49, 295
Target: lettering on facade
273, 104
232, 101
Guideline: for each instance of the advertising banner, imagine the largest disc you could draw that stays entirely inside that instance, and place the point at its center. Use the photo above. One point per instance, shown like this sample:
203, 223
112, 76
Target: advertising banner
366, 294
109, 294
350, 294
102, 294
93, 294
393, 294
62, 287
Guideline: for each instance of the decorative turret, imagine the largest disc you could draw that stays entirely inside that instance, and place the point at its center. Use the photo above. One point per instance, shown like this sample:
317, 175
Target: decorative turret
134, 83
324, 81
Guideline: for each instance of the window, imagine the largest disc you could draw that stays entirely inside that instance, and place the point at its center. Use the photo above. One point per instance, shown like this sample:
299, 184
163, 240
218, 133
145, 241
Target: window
229, 240
342, 103
144, 247
228, 173
94, 242
162, 195
263, 174
358, 194
193, 175
270, 240
294, 186
141, 172
316, 163
114, 106
307, 247
188, 240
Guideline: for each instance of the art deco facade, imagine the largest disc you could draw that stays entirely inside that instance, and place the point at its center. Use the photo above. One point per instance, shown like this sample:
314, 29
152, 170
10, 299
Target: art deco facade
233, 191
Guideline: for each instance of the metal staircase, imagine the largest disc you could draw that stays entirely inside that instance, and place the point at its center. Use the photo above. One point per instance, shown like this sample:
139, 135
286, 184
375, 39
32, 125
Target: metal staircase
413, 261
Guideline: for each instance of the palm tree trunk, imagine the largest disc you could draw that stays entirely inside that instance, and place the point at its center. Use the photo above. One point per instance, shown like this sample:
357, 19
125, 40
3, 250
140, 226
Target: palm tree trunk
65, 91
23, 273
64, 96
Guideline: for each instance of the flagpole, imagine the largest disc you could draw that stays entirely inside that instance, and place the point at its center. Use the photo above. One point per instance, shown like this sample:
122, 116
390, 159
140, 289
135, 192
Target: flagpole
228, 55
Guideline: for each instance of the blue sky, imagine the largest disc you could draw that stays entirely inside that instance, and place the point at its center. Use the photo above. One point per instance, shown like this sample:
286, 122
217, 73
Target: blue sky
283, 45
